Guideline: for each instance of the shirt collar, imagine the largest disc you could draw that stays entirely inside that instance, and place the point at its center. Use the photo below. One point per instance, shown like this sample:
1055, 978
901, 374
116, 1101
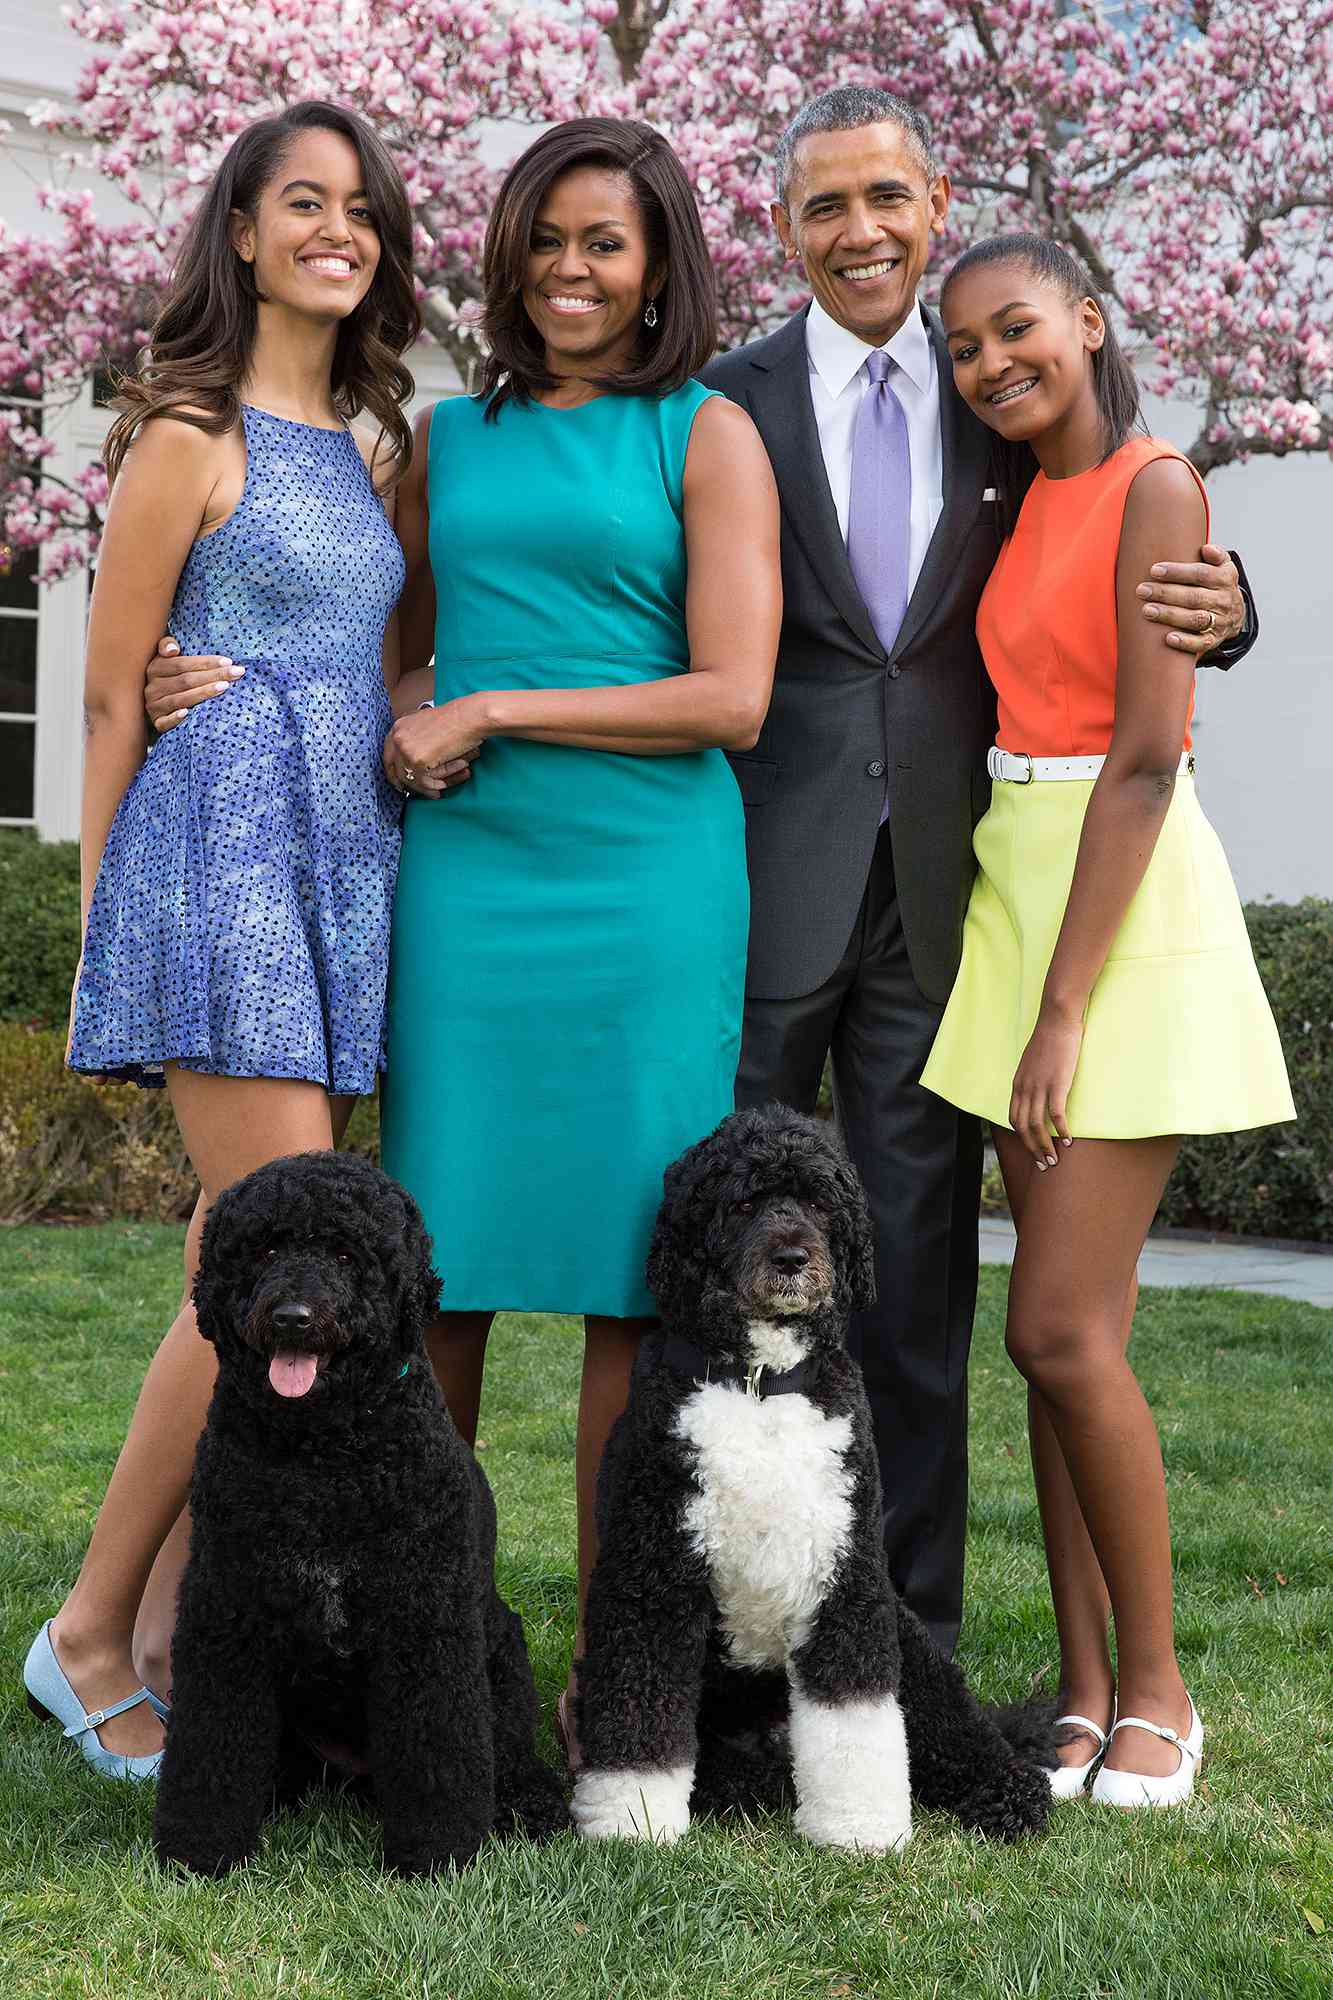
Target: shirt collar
835, 354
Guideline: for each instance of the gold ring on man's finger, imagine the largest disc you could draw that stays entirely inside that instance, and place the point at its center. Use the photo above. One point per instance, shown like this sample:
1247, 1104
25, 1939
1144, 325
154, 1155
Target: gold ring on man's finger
1211, 617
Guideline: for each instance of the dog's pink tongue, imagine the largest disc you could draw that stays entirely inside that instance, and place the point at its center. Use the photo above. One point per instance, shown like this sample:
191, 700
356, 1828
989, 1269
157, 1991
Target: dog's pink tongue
292, 1374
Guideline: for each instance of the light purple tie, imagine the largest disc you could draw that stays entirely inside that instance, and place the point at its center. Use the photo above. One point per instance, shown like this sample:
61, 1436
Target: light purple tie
879, 518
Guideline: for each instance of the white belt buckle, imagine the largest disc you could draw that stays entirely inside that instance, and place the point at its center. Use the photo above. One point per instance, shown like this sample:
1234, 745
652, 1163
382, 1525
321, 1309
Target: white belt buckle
1003, 765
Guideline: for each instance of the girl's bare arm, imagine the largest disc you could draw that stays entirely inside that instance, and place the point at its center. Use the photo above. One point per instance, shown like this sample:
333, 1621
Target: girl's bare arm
159, 503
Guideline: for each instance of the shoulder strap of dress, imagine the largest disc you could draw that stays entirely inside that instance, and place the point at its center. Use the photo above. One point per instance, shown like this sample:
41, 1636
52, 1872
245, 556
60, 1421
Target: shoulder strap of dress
1162, 448
676, 414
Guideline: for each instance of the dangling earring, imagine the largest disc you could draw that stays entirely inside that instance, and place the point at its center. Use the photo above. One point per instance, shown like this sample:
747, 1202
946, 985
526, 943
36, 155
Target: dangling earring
650, 315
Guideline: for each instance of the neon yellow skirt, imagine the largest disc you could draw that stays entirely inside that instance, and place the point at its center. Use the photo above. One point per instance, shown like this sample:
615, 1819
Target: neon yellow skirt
1179, 1035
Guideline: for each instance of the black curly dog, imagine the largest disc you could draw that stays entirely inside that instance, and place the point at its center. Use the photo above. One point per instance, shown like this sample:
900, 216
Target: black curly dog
341, 1581
742, 1631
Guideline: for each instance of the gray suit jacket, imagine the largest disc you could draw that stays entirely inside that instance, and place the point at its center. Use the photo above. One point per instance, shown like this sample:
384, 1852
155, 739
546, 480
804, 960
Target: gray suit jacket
844, 715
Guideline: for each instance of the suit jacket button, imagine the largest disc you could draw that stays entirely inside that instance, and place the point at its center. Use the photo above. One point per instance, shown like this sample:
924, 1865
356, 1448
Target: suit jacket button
894, 673
874, 769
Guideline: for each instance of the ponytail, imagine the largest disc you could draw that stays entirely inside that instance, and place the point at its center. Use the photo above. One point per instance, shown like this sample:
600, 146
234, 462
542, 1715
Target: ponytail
1114, 382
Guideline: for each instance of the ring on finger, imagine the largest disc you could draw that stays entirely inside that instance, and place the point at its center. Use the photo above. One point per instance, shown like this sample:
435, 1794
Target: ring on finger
1211, 618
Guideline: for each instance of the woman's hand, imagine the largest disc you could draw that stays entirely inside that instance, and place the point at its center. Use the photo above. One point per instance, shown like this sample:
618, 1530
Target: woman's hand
431, 752
173, 686
1041, 1085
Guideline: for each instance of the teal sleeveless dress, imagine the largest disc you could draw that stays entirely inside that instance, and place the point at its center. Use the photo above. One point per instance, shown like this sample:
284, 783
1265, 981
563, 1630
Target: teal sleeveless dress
569, 935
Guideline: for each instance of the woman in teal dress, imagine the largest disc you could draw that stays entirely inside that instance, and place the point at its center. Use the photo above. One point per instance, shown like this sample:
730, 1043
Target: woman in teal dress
592, 548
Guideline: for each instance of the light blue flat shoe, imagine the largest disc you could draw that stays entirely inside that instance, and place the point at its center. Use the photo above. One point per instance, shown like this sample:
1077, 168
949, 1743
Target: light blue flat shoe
51, 1697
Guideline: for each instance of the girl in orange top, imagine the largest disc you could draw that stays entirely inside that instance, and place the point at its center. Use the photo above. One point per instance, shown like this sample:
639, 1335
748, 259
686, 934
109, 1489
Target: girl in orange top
1107, 993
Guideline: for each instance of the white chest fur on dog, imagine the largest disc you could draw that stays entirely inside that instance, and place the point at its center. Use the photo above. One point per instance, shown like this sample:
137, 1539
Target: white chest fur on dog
772, 1514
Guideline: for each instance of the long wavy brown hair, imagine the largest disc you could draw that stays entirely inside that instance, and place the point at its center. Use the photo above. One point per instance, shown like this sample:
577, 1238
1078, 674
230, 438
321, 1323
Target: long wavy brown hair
201, 345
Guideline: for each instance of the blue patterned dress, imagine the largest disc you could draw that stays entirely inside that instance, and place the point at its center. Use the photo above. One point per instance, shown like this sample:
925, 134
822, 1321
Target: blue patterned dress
240, 922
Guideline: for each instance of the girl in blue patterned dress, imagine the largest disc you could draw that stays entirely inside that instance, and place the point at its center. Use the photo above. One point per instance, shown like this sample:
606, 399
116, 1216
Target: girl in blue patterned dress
237, 882
592, 559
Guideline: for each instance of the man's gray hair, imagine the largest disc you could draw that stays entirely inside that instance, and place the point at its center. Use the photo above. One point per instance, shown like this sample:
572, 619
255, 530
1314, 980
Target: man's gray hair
845, 109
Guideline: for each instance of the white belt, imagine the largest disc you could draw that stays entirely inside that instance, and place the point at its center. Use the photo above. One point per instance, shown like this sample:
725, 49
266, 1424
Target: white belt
1015, 767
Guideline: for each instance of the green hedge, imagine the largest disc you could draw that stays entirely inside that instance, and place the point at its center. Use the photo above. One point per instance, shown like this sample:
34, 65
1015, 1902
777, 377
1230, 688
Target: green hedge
70, 1147
1277, 1181
39, 927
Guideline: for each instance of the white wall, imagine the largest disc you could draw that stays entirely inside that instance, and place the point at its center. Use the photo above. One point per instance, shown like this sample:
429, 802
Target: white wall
1264, 733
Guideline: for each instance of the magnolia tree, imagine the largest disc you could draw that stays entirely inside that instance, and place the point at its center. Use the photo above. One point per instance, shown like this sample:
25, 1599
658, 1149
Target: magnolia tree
168, 85
1183, 151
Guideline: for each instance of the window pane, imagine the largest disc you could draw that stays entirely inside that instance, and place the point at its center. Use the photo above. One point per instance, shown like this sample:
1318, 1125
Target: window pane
18, 577
17, 741
18, 665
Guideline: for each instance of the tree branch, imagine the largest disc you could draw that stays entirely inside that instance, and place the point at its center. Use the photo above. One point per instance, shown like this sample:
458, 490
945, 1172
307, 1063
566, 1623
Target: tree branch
636, 22
1254, 237
1206, 453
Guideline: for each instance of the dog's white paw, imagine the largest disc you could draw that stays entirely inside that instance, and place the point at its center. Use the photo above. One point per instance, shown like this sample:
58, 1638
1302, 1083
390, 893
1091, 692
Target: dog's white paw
633, 1804
849, 1761
859, 1832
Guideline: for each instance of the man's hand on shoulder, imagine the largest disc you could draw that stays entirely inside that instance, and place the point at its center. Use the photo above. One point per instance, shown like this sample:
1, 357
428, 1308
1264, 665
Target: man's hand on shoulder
1200, 603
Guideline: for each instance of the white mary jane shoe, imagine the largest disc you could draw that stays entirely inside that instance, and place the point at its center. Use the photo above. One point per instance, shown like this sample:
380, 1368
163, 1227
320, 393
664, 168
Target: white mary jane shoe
1137, 1788
1069, 1780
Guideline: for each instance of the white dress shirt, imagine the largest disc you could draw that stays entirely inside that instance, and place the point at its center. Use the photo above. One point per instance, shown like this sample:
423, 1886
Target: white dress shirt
838, 380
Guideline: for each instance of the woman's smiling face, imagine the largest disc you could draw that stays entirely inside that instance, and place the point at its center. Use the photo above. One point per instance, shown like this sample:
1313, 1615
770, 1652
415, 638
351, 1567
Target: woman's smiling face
313, 240
588, 276
1021, 350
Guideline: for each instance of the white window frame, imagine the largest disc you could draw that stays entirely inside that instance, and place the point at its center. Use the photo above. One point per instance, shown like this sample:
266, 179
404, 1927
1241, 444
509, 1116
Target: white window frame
78, 429
32, 614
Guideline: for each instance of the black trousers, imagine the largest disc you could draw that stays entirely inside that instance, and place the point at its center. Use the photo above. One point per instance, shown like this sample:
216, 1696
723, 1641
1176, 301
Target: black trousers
921, 1164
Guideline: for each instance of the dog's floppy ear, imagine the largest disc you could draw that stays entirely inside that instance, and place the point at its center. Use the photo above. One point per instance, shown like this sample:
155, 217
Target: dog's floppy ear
678, 1255
421, 1294
212, 1288
862, 1263
856, 1236
662, 1271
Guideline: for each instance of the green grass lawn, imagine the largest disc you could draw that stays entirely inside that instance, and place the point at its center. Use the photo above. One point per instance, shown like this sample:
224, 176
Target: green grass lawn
1234, 1896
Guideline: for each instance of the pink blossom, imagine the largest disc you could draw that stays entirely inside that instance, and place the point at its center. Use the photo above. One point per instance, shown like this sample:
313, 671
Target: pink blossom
1185, 150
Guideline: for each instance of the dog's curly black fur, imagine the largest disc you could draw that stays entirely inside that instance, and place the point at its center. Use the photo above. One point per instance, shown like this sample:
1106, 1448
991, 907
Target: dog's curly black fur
764, 1237
340, 1583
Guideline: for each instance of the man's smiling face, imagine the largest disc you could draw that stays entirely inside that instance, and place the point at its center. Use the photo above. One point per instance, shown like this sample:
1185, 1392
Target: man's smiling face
860, 213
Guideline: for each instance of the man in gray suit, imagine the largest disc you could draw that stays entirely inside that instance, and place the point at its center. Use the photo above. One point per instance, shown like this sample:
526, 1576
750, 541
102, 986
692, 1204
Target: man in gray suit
863, 789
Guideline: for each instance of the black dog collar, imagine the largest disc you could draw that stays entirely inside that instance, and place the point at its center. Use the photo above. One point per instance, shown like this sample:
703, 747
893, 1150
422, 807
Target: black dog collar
684, 1357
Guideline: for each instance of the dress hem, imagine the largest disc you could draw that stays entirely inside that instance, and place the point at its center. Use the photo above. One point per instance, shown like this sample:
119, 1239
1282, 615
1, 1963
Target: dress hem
449, 1304
1181, 1131
146, 1073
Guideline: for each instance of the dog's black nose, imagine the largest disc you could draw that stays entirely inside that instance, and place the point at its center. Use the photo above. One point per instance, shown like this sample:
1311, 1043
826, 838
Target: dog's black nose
292, 1317
790, 1258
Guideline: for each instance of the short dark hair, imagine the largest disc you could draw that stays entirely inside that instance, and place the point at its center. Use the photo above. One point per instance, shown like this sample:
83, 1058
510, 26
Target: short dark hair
685, 336
845, 109
1113, 379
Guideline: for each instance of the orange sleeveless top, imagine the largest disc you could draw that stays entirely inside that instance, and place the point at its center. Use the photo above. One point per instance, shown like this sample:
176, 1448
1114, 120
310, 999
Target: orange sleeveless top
1047, 622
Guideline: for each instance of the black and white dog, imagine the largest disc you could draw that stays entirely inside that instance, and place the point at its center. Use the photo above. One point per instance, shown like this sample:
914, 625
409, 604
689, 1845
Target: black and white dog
741, 1623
